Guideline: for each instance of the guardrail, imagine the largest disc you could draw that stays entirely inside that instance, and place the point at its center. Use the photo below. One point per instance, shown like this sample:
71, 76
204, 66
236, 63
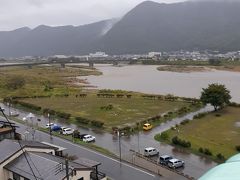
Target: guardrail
162, 166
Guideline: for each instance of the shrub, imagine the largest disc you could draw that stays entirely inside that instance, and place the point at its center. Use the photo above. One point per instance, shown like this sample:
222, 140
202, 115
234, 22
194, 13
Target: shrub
97, 123
200, 115
218, 115
201, 150
76, 133
238, 148
186, 121
180, 142
29, 106
165, 115
164, 136
47, 111
108, 107
126, 129
220, 156
207, 152
63, 115
82, 120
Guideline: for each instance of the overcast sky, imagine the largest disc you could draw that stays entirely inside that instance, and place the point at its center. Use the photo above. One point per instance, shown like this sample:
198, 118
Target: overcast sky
31, 13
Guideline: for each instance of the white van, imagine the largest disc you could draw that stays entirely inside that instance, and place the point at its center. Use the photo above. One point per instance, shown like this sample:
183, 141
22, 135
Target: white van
67, 131
150, 151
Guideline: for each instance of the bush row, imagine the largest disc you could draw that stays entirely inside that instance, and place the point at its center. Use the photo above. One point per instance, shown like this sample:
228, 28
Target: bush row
86, 121
113, 95
59, 114
207, 152
27, 105
233, 104
177, 141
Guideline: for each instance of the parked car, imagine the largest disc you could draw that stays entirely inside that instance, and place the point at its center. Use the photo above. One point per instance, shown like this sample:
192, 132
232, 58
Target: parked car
175, 163
55, 127
14, 114
150, 151
81, 136
88, 138
67, 131
164, 159
147, 126
49, 125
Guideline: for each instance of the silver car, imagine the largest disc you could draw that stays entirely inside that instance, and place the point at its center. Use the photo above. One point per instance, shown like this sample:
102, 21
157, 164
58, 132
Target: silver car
175, 163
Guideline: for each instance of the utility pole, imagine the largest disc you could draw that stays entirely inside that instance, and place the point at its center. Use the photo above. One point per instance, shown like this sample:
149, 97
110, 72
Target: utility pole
9, 112
50, 130
138, 137
67, 169
119, 143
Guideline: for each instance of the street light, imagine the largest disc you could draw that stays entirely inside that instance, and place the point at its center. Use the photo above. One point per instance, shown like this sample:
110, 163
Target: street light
119, 144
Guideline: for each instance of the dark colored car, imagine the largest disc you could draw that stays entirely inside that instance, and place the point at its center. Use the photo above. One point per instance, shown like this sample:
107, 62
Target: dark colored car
55, 128
164, 159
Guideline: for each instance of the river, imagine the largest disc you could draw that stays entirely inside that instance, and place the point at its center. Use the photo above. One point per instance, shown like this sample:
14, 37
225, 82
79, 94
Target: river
147, 79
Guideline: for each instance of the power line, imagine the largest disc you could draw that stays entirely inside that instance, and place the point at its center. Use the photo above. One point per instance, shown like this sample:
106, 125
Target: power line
24, 153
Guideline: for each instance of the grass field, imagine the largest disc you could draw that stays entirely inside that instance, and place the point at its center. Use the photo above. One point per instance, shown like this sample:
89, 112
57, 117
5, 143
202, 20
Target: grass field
125, 111
41, 80
217, 131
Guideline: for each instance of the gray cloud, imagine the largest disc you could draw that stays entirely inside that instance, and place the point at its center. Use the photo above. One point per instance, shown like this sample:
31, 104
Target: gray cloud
31, 13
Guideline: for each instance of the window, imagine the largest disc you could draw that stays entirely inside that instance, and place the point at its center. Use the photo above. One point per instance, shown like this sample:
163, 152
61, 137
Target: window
16, 176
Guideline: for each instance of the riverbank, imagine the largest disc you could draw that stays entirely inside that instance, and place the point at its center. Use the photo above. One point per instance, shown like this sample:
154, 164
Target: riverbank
214, 135
190, 69
42, 80
184, 69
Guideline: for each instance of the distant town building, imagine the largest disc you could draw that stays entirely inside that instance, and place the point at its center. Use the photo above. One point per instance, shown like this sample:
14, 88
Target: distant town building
98, 54
154, 54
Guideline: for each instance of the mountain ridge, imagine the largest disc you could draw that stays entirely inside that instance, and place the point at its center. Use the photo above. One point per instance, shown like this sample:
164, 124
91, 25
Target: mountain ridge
150, 26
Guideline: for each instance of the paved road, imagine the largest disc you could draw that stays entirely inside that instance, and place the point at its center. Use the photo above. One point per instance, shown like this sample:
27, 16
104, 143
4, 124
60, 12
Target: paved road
111, 167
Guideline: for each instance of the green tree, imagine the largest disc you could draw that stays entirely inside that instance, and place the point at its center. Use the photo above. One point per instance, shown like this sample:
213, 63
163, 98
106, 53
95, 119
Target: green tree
217, 95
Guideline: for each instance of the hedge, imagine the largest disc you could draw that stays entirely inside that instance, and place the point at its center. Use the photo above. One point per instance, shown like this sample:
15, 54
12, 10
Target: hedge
29, 106
180, 142
63, 115
97, 123
82, 120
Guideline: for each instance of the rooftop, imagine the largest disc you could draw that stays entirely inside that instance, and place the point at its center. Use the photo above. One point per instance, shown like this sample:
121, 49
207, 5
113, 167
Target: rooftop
9, 147
5, 129
45, 166
225, 171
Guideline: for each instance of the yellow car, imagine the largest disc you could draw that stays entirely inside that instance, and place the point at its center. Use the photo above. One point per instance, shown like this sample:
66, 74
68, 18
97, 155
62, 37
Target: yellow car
147, 126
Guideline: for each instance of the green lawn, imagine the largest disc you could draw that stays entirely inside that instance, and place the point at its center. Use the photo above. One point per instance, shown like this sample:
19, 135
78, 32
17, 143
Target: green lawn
125, 111
218, 134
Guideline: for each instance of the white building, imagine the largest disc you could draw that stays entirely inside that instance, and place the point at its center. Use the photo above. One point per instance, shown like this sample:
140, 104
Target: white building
154, 54
98, 54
